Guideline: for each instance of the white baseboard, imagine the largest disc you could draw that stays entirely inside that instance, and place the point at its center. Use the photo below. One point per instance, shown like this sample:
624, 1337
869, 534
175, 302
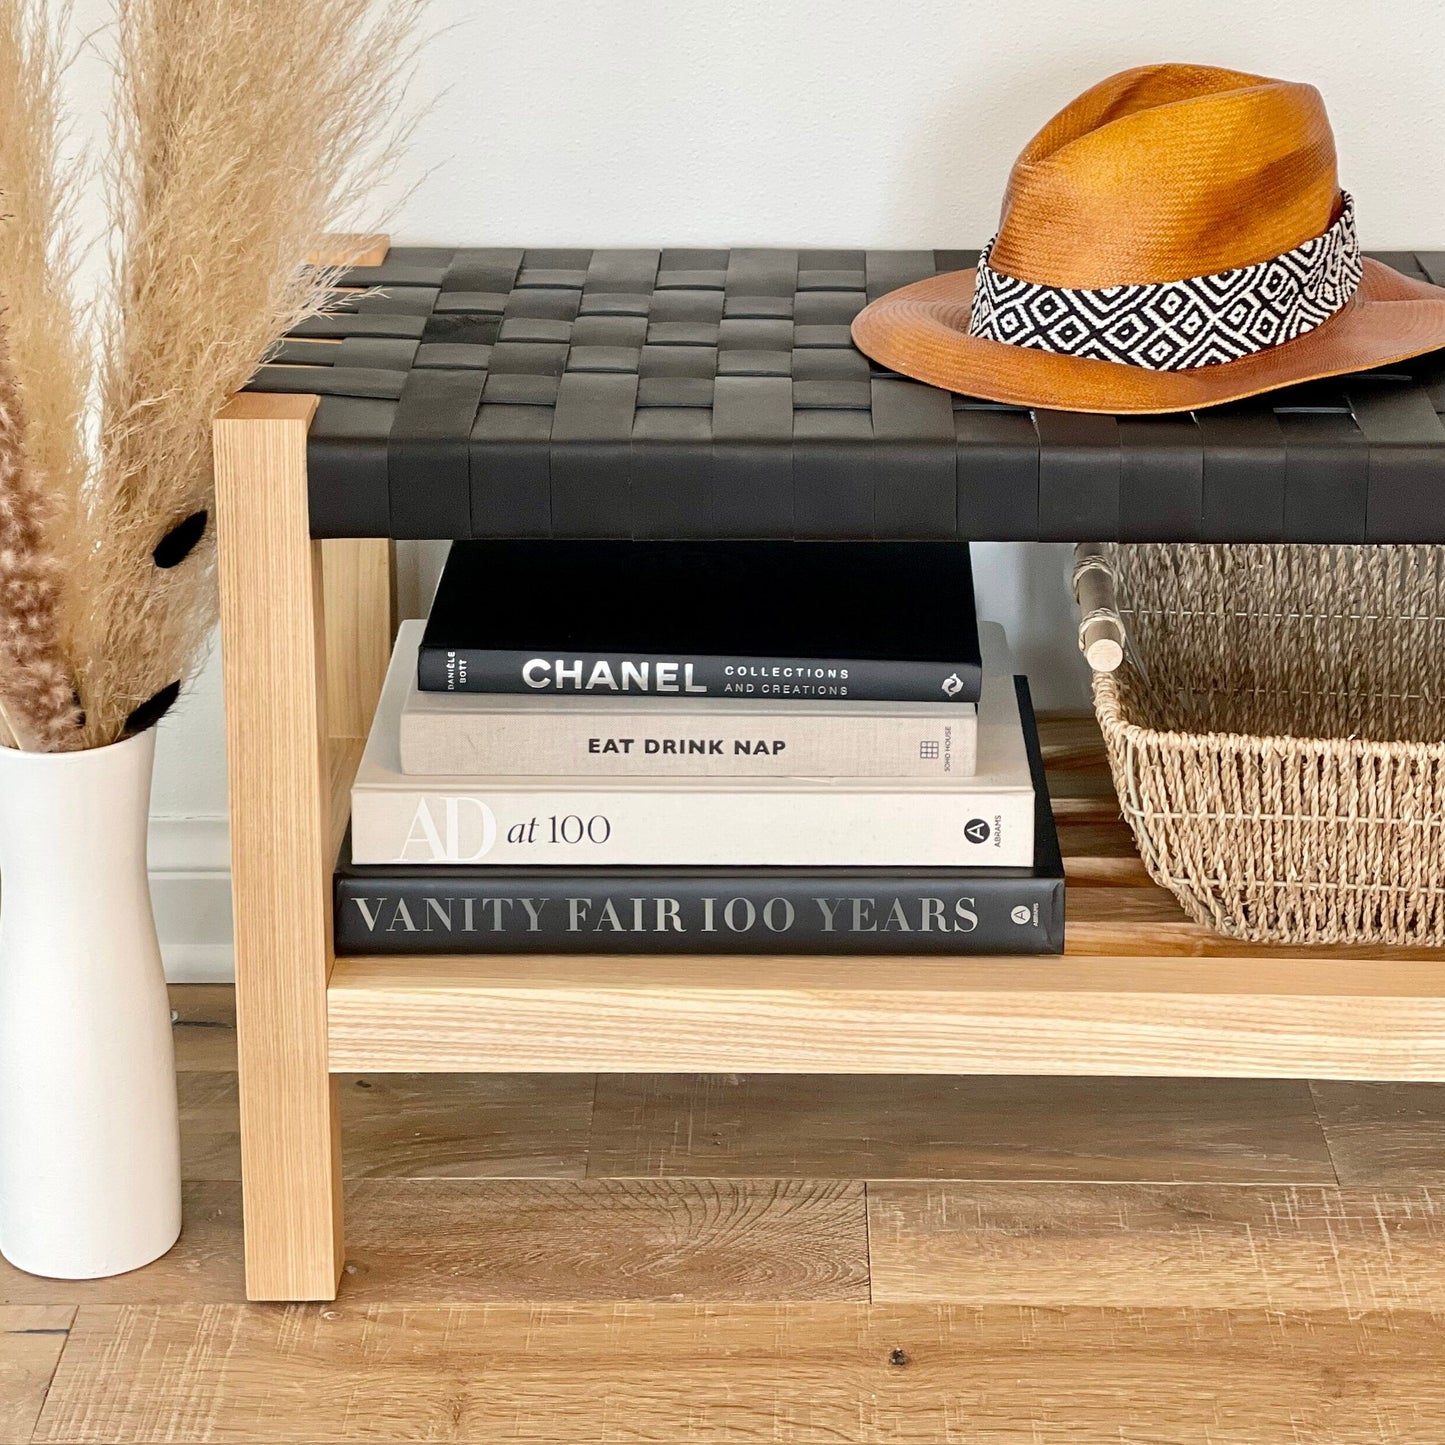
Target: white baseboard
199, 962
190, 871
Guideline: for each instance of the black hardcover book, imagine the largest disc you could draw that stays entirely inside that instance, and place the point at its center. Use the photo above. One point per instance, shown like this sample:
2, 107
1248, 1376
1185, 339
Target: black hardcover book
714, 910
875, 621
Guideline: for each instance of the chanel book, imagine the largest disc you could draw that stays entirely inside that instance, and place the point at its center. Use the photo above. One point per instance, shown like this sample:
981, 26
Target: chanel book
985, 819
618, 737
413, 909
765, 621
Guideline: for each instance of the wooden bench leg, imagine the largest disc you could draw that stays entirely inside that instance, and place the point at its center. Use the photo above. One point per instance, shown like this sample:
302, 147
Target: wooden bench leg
273, 636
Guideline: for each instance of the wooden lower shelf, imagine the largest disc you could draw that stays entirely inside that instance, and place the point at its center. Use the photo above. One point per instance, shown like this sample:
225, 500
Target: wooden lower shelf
1248, 1017
1142, 990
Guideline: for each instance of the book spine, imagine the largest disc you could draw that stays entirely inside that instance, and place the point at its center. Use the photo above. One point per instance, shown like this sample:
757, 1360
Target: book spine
936, 827
652, 743
601, 674
697, 913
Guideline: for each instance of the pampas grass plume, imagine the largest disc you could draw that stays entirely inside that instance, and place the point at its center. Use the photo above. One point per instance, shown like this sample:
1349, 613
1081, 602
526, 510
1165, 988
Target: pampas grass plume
244, 131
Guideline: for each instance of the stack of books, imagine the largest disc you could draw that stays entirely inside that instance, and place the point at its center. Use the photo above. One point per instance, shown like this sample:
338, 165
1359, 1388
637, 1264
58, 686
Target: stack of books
719, 747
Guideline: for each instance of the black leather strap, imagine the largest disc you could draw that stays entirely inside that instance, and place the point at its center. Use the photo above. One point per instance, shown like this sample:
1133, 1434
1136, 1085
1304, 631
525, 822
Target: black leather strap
1327, 477
1407, 460
592, 455
1244, 473
997, 455
1161, 479
752, 450
427, 454
1079, 475
347, 468
917, 495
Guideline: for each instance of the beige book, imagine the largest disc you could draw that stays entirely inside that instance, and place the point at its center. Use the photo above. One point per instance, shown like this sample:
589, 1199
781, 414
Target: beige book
986, 819
507, 735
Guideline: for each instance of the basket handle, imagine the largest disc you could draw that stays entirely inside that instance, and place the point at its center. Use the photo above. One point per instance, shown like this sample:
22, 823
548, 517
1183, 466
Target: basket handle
1101, 630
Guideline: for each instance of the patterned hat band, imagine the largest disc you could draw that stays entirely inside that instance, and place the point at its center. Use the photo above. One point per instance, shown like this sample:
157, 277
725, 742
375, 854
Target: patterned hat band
1177, 325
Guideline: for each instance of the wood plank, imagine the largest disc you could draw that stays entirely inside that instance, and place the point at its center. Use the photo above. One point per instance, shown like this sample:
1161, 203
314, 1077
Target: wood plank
1134, 1246
1384, 1134
454, 1241
203, 1025
351, 248
31, 1339
204, 1266
1081, 788
810, 1374
1101, 853
1099, 937
927, 1127
420, 1126
1113, 905
343, 759
1219, 1017
1112, 913
1095, 803
210, 1126
461, 1126
359, 575
1071, 740
274, 653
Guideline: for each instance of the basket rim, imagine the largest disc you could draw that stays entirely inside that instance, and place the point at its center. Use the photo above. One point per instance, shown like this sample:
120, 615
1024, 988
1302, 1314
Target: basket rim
1109, 709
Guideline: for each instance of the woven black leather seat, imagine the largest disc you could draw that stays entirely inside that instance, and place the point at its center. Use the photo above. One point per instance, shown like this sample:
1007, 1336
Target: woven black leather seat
709, 393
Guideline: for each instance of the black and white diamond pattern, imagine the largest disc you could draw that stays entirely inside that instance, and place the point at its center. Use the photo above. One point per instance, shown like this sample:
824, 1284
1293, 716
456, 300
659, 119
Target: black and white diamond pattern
1177, 325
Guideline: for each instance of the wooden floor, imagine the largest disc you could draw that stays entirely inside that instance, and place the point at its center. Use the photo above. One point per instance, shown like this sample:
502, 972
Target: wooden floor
678, 1259
692, 1260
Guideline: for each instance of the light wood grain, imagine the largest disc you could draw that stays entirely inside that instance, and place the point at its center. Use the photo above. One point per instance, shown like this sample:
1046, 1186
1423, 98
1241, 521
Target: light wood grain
418, 1126
31, 1339
1122, 905
459, 1241
210, 1126
352, 248
460, 1126
1101, 853
344, 757
273, 648
1070, 740
809, 1374
1091, 801
1143, 1246
359, 575
911, 1127
1384, 1134
538, 1240
1130, 1016
203, 1025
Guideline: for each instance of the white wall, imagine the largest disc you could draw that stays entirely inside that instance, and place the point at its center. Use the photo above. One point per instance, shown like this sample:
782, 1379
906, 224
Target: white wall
815, 122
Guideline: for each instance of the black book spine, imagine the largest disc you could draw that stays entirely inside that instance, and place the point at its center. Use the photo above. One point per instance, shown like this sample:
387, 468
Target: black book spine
601, 674
675, 911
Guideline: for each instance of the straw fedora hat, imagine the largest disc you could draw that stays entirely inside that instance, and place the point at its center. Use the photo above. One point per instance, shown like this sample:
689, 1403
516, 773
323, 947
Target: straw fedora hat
1174, 238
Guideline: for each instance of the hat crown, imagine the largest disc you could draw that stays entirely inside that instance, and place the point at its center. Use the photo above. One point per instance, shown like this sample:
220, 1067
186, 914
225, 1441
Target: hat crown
1167, 172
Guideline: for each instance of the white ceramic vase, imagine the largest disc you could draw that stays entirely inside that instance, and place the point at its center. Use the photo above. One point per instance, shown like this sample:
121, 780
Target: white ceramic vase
89, 1143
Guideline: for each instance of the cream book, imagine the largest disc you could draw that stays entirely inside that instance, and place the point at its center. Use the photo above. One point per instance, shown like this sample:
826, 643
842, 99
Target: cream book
985, 819
505, 734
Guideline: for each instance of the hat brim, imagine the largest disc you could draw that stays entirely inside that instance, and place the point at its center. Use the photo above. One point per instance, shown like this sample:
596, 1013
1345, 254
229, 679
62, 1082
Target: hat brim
921, 331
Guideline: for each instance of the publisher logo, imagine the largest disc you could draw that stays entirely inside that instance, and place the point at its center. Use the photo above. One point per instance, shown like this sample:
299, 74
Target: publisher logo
976, 830
1021, 914
952, 685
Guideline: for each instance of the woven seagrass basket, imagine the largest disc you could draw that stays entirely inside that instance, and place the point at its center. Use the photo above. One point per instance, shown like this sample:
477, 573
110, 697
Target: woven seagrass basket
1277, 735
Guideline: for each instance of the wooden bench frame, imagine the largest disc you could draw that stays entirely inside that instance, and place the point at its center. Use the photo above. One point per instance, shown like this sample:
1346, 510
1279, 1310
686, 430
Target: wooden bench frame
307, 628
